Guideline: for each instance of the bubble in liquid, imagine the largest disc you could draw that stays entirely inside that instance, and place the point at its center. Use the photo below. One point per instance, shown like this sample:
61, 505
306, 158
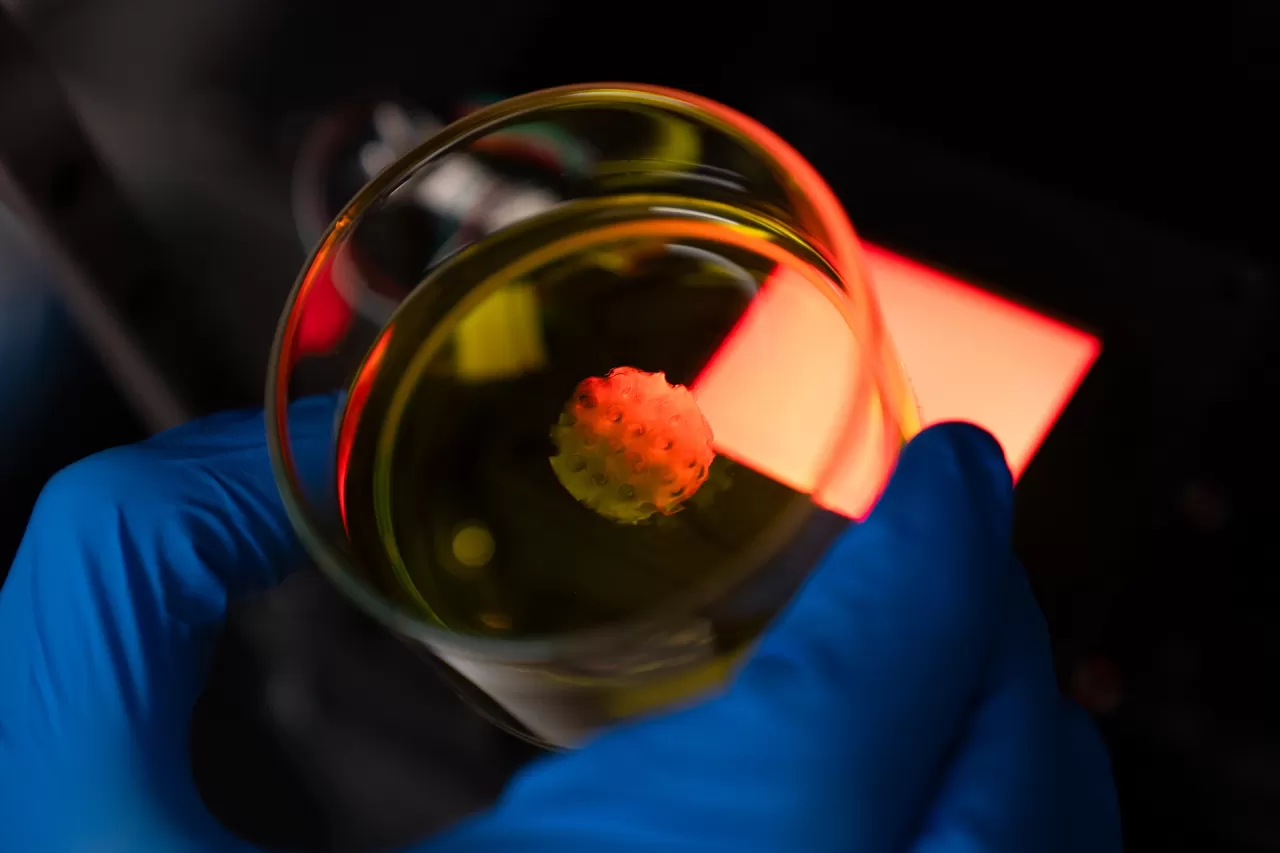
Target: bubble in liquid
630, 481
473, 545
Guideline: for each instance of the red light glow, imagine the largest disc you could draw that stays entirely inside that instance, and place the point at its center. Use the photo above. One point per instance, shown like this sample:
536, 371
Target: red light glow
973, 356
969, 354
351, 416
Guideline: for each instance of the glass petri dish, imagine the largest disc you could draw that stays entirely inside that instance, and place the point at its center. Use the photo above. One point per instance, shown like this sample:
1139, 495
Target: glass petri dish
614, 378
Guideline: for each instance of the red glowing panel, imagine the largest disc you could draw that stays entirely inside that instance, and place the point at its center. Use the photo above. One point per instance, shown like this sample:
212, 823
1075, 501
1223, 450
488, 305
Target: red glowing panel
970, 356
768, 393
973, 356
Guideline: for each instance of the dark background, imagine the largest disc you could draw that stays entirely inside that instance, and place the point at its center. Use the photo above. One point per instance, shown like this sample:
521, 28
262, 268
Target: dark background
1114, 165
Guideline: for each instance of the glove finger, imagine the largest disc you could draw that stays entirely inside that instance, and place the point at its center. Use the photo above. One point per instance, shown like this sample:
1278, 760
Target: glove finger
131, 557
880, 656
1005, 789
107, 623
1094, 812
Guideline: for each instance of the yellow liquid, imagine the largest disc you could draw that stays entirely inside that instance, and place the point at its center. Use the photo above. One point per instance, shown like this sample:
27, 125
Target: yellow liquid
450, 497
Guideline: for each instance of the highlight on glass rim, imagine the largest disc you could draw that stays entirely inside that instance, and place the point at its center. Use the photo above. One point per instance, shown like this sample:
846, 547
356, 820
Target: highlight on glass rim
614, 379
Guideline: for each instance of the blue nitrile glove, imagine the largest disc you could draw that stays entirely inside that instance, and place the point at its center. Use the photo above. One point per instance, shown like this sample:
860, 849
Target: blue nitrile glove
108, 621
904, 702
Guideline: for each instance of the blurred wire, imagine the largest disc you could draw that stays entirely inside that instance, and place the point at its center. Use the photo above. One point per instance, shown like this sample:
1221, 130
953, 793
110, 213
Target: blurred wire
48, 175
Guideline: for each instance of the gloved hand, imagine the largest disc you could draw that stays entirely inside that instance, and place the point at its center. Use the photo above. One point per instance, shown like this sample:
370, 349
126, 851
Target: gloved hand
108, 621
904, 701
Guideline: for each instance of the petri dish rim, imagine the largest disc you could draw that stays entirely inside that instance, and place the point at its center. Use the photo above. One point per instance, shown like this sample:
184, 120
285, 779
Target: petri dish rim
840, 248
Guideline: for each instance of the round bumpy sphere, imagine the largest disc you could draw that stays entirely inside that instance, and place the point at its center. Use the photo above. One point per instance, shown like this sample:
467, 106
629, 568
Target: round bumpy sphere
631, 445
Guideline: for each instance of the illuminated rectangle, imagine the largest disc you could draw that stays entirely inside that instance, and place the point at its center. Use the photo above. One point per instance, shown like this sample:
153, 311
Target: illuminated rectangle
972, 356
969, 355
